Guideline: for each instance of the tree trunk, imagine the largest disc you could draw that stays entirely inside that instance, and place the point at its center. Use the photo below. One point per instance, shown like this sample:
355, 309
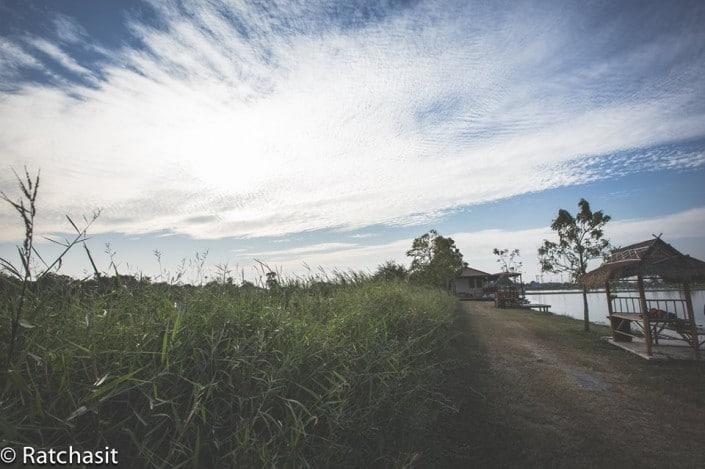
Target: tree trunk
586, 313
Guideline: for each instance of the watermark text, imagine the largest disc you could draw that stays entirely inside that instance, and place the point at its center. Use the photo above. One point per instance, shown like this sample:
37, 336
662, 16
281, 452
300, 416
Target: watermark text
28, 455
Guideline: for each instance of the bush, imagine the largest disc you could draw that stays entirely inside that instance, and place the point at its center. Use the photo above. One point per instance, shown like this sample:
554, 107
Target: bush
391, 270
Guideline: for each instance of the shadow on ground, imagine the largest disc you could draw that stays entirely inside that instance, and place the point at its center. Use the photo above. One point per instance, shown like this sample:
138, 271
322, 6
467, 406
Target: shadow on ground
533, 390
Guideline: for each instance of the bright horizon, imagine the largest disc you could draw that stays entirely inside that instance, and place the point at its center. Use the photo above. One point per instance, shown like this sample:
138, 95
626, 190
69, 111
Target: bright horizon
333, 135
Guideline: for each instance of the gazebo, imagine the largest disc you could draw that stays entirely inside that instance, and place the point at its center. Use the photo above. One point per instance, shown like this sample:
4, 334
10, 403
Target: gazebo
654, 318
508, 289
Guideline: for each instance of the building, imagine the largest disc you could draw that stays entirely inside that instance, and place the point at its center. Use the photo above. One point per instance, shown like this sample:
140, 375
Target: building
474, 284
644, 323
471, 283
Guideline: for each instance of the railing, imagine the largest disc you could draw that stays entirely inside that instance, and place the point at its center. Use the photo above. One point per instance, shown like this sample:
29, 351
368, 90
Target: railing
626, 304
664, 329
677, 307
632, 304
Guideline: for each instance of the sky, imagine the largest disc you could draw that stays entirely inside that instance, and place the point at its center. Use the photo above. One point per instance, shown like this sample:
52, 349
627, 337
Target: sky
328, 135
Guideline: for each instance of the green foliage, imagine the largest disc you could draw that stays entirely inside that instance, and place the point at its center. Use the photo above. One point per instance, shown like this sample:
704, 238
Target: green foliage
435, 260
391, 270
324, 374
25, 206
580, 239
272, 280
508, 260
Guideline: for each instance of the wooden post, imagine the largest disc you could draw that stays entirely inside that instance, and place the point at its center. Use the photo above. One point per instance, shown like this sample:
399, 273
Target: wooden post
609, 307
644, 314
691, 317
621, 329
523, 287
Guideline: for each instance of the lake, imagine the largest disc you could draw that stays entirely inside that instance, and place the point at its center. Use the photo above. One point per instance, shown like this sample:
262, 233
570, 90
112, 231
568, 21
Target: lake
570, 302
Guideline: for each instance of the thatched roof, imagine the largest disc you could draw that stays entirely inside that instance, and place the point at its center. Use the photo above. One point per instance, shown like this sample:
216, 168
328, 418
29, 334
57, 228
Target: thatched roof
647, 258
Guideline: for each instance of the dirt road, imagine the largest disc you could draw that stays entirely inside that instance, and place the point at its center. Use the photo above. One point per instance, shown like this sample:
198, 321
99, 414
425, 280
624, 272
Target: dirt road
534, 390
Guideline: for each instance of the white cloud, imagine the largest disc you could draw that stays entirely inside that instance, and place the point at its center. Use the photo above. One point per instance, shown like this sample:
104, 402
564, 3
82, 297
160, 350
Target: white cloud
211, 132
69, 30
281, 254
13, 58
56, 54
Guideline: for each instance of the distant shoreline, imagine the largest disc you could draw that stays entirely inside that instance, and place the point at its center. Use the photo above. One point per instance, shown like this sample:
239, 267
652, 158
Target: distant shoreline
578, 291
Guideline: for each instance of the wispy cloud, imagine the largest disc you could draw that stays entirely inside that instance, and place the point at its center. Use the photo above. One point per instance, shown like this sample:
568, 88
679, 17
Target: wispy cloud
298, 252
68, 30
233, 120
13, 58
55, 53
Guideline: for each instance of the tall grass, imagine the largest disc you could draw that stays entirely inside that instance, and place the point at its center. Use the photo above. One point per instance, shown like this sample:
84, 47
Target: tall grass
320, 374
337, 370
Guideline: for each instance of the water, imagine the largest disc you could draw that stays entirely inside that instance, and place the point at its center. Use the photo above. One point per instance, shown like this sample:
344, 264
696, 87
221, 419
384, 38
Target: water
570, 302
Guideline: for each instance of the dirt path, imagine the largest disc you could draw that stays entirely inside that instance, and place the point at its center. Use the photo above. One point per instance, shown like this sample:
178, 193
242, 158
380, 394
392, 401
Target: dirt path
534, 390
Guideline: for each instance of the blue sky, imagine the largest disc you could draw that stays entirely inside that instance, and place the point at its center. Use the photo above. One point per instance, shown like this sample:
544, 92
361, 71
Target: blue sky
332, 135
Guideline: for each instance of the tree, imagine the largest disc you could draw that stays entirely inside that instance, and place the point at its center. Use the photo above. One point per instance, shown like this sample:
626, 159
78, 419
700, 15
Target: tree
391, 270
272, 281
508, 260
580, 239
435, 260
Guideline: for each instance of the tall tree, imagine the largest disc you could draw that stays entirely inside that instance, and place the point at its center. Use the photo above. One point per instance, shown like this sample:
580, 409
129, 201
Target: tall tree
435, 260
580, 239
508, 260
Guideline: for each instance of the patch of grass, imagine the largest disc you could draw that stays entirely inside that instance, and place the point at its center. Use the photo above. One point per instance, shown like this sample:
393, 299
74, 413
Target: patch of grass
335, 374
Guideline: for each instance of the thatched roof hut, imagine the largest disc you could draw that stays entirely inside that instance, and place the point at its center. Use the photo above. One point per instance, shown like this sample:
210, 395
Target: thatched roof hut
652, 258
651, 317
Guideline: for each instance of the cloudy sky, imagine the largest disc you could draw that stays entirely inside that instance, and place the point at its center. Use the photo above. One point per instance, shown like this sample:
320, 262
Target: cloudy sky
332, 135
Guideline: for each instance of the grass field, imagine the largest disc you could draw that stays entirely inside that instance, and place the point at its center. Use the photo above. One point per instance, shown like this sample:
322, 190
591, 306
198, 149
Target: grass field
322, 374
